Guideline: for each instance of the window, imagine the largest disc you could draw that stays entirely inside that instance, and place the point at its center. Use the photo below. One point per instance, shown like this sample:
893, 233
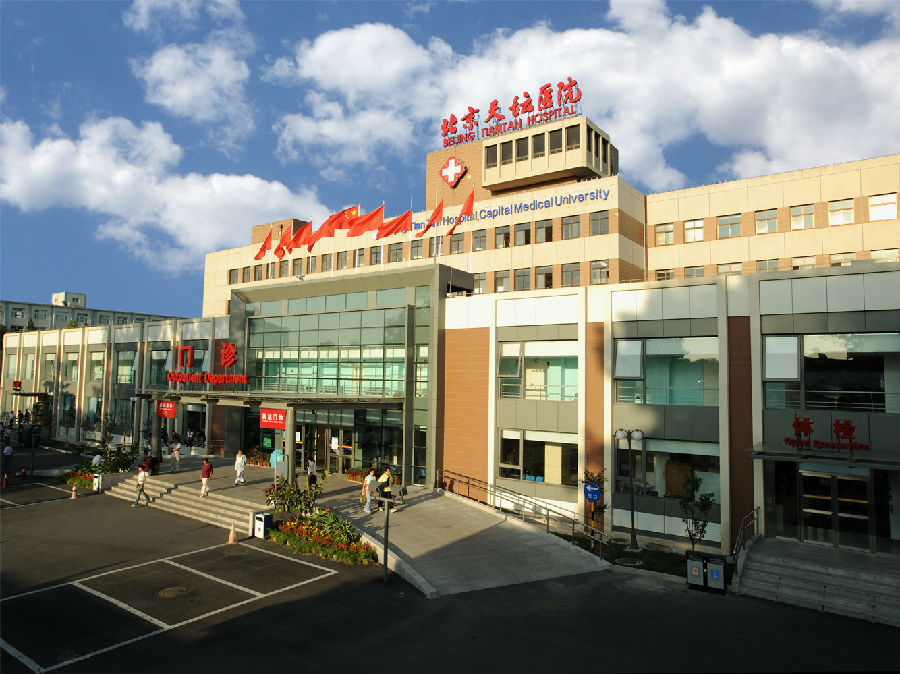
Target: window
40, 314
539, 456
693, 272
556, 141
284, 268
521, 149
479, 239
478, 283
522, 279
885, 255
538, 145
104, 319
490, 156
523, 233
573, 137
18, 312
232, 276
767, 221
457, 240
49, 371
415, 249
543, 277
667, 371
599, 223
543, 231
245, 275
729, 226
665, 234
311, 265
571, 274
693, 230
599, 271
96, 366
81, 318
257, 272
121, 320
571, 225
125, 367
799, 263
395, 252
883, 207
359, 258
501, 281
506, 153
375, 255
501, 237
271, 272
842, 259
802, 217
159, 365
729, 269
342, 259
664, 274
435, 246
326, 261
70, 366
766, 265
840, 212
539, 370
11, 364
28, 370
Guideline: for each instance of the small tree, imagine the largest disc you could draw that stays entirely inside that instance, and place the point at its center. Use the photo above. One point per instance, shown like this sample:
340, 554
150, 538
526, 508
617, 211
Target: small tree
287, 497
68, 422
89, 426
695, 509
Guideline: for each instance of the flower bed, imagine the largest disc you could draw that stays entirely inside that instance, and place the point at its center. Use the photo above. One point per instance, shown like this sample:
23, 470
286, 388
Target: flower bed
85, 480
327, 534
258, 458
357, 474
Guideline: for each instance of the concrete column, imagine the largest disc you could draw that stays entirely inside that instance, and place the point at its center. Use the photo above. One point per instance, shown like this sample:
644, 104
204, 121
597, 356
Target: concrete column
154, 437
207, 428
290, 453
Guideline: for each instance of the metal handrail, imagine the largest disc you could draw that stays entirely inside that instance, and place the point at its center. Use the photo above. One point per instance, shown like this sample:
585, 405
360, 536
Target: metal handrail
550, 513
750, 519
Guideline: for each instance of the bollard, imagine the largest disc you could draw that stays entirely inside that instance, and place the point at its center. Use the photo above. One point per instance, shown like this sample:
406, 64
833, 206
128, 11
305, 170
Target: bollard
232, 535
74, 493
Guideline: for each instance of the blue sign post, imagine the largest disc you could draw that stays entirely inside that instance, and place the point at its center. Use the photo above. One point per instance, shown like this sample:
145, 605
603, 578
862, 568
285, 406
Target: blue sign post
592, 491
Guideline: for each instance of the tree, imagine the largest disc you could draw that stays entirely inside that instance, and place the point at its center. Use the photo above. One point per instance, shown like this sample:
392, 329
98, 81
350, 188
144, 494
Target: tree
29, 327
72, 324
68, 422
695, 509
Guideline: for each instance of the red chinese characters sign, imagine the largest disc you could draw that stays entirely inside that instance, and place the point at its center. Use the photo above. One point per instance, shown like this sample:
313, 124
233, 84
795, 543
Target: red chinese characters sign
166, 408
522, 113
843, 433
271, 418
227, 359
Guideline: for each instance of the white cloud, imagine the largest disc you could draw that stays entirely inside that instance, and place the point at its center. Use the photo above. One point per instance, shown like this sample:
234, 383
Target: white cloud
125, 174
776, 102
890, 9
143, 14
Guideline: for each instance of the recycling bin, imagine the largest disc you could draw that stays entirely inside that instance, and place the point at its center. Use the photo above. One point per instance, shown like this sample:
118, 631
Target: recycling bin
96, 484
695, 572
261, 522
715, 573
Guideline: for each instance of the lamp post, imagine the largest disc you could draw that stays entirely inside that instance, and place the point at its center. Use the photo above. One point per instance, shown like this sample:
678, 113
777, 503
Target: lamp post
637, 434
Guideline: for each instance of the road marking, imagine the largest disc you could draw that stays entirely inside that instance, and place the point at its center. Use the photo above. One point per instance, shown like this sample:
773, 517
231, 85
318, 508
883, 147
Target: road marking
211, 577
21, 657
103, 650
122, 605
293, 559
31, 503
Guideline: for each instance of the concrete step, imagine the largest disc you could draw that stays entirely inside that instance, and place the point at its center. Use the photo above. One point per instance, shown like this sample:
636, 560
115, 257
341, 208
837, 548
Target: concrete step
809, 567
242, 524
863, 583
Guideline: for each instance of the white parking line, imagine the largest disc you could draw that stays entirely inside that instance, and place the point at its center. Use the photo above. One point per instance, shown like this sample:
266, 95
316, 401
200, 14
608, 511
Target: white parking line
213, 578
122, 605
21, 657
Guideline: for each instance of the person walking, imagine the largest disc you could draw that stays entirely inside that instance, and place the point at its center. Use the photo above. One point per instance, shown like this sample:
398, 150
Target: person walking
369, 486
176, 457
206, 472
7, 463
141, 479
240, 461
384, 486
311, 478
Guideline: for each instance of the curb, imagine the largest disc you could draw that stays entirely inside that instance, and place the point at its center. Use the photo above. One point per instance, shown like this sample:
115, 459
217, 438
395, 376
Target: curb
401, 567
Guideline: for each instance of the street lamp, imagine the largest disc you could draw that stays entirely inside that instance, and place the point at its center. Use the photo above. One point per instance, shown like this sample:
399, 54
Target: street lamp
637, 434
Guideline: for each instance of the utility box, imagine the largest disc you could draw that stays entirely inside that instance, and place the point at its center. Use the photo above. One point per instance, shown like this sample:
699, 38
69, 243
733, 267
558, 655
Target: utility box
715, 574
695, 571
261, 522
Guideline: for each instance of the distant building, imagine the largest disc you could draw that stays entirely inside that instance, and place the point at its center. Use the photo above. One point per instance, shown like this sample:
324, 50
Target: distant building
64, 308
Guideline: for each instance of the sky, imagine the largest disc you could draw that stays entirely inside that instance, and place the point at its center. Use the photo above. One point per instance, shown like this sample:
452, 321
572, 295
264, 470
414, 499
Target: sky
136, 137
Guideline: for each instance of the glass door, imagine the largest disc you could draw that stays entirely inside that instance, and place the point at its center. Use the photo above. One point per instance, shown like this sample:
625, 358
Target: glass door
835, 510
816, 508
852, 495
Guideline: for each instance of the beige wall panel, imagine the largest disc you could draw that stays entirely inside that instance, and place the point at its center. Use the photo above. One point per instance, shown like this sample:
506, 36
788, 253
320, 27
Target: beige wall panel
546, 254
806, 190
730, 250
601, 247
761, 197
881, 179
845, 238
664, 257
481, 259
628, 198
569, 250
695, 254
766, 247
662, 210
693, 206
880, 235
803, 242
522, 256
725, 202
631, 252
500, 258
840, 185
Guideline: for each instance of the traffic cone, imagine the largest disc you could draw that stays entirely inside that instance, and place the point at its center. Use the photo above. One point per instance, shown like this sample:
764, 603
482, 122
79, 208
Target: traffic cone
232, 536
74, 493
24, 474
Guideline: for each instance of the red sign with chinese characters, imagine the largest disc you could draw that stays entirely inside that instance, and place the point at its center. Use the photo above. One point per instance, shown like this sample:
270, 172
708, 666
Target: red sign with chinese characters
227, 354
522, 114
843, 432
166, 408
271, 418
227, 358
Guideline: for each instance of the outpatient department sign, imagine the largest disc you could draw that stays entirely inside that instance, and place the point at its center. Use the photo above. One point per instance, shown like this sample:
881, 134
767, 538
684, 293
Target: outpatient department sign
227, 358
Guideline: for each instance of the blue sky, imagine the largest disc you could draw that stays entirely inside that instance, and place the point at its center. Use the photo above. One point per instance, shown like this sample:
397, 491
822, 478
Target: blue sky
135, 137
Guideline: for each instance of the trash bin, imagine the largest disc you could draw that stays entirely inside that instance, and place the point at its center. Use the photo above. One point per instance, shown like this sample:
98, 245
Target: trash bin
96, 485
715, 573
695, 572
261, 522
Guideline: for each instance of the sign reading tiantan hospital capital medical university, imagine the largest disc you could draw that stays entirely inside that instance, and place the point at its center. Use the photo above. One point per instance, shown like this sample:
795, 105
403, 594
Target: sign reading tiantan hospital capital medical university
522, 113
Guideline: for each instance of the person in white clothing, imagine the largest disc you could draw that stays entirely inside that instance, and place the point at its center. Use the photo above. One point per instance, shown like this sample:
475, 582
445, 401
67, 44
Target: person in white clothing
176, 457
369, 486
240, 461
141, 478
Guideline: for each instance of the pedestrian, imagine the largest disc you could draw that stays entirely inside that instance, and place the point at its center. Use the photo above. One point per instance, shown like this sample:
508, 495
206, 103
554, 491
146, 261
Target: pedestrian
369, 486
141, 479
176, 457
240, 461
206, 472
145, 460
311, 478
97, 460
7, 463
384, 486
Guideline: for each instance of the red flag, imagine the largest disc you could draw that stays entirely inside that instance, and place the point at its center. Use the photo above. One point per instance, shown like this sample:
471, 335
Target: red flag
368, 222
264, 248
402, 223
336, 221
344, 219
284, 243
301, 236
466, 210
436, 216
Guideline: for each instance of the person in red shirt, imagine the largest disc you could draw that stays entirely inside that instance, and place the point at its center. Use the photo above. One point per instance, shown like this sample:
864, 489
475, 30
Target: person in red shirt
205, 474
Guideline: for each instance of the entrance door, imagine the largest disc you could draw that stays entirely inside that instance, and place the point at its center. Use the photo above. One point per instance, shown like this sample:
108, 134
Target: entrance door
835, 509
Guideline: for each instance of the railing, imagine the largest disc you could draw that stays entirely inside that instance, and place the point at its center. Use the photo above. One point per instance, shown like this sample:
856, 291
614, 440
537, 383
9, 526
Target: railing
750, 520
544, 514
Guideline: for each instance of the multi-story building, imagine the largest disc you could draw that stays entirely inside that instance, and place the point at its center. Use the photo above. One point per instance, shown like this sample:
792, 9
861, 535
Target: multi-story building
64, 308
750, 330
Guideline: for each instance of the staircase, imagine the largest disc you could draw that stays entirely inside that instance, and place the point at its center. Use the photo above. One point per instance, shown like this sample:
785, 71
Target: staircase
856, 584
215, 509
